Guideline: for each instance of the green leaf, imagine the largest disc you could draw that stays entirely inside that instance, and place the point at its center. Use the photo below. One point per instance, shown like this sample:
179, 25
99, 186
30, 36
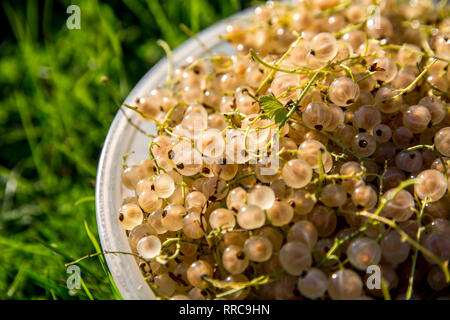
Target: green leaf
273, 109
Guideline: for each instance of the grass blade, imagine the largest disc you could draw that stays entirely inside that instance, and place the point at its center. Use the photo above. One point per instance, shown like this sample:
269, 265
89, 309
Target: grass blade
97, 248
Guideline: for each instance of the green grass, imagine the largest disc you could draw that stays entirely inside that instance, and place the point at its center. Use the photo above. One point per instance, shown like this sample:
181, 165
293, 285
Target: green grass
54, 116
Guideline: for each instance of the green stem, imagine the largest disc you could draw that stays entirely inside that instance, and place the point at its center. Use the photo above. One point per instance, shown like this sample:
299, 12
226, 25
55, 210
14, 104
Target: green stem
91, 255
124, 159
410, 289
432, 148
283, 57
412, 84
385, 289
424, 54
168, 52
134, 125
369, 223
238, 286
143, 114
192, 34
276, 68
302, 95
336, 9
152, 157
337, 141
232, 182
348, 71
415, 244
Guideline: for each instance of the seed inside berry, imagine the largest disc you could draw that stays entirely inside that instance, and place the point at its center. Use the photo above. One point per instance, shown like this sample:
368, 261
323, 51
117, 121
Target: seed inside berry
206, 170
240, 255
362, 143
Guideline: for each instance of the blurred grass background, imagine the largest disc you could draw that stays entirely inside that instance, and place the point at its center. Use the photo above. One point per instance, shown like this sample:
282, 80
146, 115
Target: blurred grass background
54, 117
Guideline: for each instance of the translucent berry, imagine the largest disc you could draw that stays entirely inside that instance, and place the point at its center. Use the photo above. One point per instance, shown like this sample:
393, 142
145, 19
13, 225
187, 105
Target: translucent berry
297, 173
258, 248
234, 260
365, 196
323, 47
442, 141
363, 252
333, 195
130, 215
345, 284
295, 257
364, 144
197, 271
251, 217
149, 247
303, 231
343, 91
314, 284
394, 250
172, 217
164, 185
222, 218
433, 186
280, 213
400, 207
261, 196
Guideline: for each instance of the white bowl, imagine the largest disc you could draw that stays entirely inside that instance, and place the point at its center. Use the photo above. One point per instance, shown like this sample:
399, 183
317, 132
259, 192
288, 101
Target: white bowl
122, 138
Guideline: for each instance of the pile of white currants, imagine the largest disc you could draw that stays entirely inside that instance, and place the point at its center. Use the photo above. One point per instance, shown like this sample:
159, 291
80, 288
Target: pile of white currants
319, 151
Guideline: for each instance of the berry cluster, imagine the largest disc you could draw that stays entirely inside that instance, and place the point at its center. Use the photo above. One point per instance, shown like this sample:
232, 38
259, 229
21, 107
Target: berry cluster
320, 149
